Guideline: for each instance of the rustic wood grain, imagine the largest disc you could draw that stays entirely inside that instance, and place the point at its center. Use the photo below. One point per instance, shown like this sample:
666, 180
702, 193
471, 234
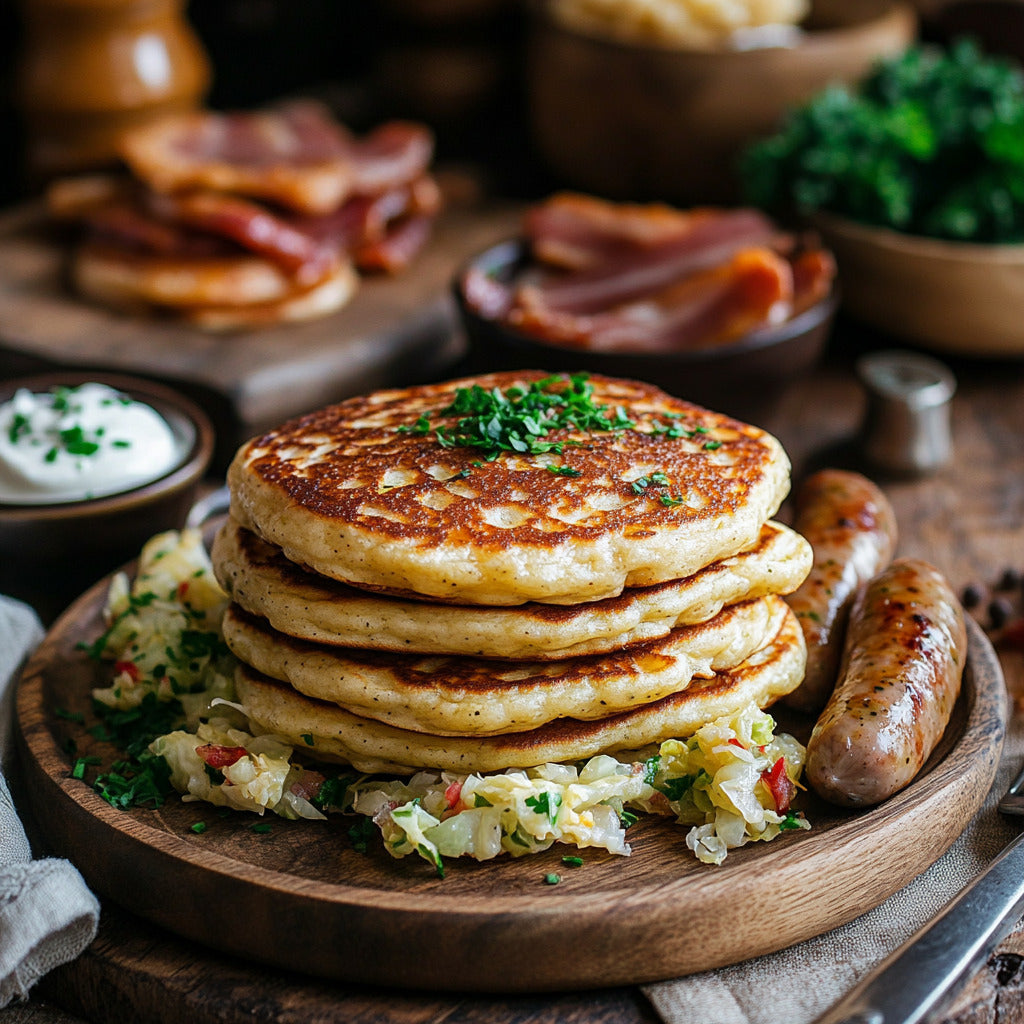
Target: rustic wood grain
967, 519
301, 898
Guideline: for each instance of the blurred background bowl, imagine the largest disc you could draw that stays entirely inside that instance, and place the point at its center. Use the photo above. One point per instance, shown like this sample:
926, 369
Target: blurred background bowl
50, 553
634, 121
957, 297
742, 378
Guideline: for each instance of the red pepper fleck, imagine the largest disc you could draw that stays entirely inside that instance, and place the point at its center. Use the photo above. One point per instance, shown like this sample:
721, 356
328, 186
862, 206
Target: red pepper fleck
453, 794
217, 756
129, 668
736, 743
182, 590
779, 785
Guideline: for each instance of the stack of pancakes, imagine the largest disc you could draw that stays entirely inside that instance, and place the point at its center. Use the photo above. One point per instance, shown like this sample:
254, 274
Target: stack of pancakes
403, 599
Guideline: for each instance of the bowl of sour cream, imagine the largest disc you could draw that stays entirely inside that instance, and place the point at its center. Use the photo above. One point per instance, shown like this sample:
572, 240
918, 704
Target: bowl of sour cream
92, 466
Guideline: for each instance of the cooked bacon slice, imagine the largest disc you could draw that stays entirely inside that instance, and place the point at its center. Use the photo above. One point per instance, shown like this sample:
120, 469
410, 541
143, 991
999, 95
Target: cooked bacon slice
366, 220
253, 227
393, 154
711, 307
814, 270
574, 231
295, 155
397, 249
643, 270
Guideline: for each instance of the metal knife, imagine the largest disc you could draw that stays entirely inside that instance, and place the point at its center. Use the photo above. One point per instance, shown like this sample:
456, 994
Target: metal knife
921, 977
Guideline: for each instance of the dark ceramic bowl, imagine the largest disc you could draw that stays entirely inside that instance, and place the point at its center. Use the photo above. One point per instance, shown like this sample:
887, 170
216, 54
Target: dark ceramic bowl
50, 552
742, 378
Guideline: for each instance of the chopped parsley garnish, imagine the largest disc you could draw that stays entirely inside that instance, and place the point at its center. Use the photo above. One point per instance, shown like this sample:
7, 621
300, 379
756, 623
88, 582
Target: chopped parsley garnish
361, 833
333, 793
545, 803
666, 497
564, 470
551, 878
573, 862
520, 420
199, 827
676, 788
144, 782
78, 771
20, 426
261, 828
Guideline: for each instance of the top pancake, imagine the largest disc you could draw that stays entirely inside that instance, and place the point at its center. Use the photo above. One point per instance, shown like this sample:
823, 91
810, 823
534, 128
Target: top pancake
362, 492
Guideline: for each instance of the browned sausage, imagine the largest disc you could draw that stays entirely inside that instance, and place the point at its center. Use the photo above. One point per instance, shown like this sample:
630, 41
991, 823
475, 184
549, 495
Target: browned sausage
851, 528
901, 670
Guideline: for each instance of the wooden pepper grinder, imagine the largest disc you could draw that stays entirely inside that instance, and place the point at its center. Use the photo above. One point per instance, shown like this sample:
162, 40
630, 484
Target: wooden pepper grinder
89, 69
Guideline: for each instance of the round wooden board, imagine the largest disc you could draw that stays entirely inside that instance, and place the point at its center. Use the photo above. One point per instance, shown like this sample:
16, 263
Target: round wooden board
302, 898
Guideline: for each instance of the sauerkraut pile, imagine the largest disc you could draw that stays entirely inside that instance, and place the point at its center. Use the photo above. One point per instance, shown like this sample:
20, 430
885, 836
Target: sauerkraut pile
732, 782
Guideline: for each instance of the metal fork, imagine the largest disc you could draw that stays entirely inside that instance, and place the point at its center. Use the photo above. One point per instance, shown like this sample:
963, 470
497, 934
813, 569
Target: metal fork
921, 977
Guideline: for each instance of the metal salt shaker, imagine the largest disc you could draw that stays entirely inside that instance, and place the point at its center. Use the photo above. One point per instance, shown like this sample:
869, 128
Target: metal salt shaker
907, 423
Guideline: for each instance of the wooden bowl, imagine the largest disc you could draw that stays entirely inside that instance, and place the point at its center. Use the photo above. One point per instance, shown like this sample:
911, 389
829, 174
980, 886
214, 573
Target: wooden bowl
956, 297
634, 121
742, 378
50, 553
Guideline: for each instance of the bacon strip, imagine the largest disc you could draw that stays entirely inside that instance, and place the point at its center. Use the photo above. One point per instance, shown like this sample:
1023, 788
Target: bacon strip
643, 270
574, 231
708, 308
295, 155
253, 227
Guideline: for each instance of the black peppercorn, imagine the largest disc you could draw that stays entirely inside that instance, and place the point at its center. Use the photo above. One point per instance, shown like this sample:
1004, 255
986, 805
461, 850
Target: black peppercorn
1000, 611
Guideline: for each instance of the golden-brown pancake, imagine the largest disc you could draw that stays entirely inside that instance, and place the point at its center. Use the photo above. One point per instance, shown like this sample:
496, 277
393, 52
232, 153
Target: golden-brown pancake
649, 489
215, 292
470, 696
326, 732
261, 580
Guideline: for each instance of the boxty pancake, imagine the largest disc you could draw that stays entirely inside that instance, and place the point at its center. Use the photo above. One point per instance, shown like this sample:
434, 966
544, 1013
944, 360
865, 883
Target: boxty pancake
261, 580
470, 696
326, 732
510, 487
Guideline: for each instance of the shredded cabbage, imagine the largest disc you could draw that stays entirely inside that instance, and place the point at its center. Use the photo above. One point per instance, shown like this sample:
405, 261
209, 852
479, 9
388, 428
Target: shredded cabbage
259, 781
164, 630
731, 782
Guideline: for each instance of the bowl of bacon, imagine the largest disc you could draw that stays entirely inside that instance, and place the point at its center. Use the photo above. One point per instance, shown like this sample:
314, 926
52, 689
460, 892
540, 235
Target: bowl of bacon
718, 305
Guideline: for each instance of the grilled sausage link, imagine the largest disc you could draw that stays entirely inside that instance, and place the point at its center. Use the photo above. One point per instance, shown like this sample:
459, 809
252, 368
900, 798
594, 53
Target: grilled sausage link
902, 664
851, 528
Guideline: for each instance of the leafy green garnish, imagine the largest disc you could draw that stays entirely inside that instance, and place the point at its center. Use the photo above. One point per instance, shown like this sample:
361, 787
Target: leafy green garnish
929, 143
141, 782
545, 803
520, 420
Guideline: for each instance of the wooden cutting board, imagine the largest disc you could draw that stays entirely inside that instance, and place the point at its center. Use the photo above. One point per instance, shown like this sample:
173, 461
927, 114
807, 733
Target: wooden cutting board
303, 898
396, 329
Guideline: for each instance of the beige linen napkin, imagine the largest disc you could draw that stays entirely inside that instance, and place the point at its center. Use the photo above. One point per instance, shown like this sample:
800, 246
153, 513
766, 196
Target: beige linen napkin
47, 914
797, 984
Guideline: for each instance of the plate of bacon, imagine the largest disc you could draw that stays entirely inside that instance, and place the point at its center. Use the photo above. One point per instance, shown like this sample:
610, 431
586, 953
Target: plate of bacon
229, 221
719, 305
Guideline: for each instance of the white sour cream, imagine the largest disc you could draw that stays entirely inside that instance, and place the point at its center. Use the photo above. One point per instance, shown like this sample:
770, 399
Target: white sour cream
71, 444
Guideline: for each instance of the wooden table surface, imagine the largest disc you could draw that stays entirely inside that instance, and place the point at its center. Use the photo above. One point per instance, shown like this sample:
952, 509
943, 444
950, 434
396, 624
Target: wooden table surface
968, 519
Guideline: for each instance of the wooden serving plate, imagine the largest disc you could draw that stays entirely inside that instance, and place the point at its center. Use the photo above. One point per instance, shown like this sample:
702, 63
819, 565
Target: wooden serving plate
302, 898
